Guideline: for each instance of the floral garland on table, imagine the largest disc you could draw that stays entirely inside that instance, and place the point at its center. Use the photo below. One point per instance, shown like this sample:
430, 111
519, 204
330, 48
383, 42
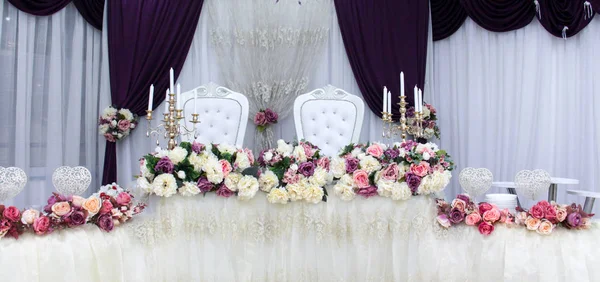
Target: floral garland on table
429, 121
544, 217
265, 118
193, 168
109, 207
463, 209
294, 172
397, 172
115, 124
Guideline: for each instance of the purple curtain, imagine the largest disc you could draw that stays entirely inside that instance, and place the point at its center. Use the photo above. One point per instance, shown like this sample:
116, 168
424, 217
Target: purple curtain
447, 16
382, 38
558, 14
91, 10
145, 39
500, 16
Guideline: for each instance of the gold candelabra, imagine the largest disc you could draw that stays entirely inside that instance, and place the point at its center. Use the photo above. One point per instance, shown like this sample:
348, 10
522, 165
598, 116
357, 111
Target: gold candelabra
389, 129
416, 129
170, 128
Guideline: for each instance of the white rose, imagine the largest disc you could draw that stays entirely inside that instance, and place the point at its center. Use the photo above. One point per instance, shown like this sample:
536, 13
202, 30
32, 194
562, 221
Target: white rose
181, 174
247, 188
177, 155
145, 171
241, 161
320, 177
377, 176
113, 123
132, 126
268, 181
103, 128
426, 112
267, 156
294, 167
165, 185
231, 181
426, 156
29, 216
338, 167
196, 161
144, 185
214, 172
127, 114
434, 147
385, 188
402, 170
356, 152
426, 186
119, 135
347, 180
344, 191
296, 190
160, 153
284, 148
109, 112
402, 153
428, 133
313, 194
401, 192
226, 148
278, 196
189, 189
299, 154
370, 164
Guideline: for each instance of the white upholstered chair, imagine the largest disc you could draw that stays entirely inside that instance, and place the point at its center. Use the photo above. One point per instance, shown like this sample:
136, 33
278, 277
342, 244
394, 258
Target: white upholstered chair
223, 114
329, 118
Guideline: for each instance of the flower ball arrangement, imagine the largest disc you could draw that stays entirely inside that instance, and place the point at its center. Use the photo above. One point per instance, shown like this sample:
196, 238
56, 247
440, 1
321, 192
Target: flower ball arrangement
115, 124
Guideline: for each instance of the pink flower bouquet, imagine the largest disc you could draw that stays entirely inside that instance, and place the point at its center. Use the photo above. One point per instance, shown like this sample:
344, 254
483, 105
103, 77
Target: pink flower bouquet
429, 123
544, 217
264, 118
463, 209
115, 124
11, 222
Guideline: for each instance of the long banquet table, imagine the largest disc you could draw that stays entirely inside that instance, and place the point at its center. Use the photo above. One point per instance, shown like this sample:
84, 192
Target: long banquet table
376, 239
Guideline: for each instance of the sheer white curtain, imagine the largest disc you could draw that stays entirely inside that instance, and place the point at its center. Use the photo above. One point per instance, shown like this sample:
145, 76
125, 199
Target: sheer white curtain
520, 100
50, 96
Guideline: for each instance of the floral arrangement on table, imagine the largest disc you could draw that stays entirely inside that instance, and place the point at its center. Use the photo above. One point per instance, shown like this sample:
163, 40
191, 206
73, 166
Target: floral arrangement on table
397, 172
544, 217
294, 172
193, 168
429, 123
111, 206
265, 118
115, 124
464, 210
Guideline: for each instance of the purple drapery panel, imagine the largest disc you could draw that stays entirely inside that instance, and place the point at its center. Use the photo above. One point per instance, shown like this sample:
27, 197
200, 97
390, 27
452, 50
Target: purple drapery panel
507, 15
145, 39
558, 14
382, 38
91, 10
447, 16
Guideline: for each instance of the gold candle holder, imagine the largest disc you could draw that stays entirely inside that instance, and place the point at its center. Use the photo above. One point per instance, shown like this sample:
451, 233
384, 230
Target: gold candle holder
170, 127
403, 127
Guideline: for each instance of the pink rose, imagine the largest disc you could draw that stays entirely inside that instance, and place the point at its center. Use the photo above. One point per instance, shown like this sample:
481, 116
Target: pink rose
421, 169
123, 199
483, 207
443, 220
77, 201
459, 204
375, 150
561, 214
124, 125
291, 177
106, 207
544, 204
391, 172
537, 211
505, 216
225, 167
12, 213
109, 137
61, 208
520, 218
250, 155
308, 150
473, 219
550, 214
41, 225
532, 223
492, 215
361, 178
324, 163
260, 119
485, 228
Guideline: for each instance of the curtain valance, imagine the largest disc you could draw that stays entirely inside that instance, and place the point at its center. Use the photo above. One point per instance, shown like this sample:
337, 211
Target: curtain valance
91, 10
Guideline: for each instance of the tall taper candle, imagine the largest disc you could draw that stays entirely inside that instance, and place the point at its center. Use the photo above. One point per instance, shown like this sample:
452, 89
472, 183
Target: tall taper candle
389, 102
171, 80
167, 101
401, 83
195, 108
151, 98
420, 101
384, 98
416, 98
178, 96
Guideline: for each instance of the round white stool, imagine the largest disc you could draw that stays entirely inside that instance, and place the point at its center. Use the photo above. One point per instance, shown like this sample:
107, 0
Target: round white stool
552, 191
590, 197
510, 187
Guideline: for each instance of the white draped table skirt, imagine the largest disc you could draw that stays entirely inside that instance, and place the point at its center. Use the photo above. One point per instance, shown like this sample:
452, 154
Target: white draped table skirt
377, 239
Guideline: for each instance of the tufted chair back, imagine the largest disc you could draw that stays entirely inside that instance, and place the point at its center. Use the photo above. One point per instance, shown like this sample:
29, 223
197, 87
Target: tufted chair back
329, 118
223, 114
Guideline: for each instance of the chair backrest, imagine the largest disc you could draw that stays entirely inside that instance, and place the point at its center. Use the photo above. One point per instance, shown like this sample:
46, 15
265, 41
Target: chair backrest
329, 117
223, 114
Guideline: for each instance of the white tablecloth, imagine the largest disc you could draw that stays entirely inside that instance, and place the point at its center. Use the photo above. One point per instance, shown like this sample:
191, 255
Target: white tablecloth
377, 239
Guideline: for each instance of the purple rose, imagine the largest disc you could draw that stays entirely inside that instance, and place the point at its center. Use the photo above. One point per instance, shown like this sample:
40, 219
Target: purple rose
51, 201
391, 153
307, 169
204, 185
367, 192
260, 119
197, 147
413, 182
77, 218
164, 165
456, 216
351, 165
105, 222
573, 220
463, 197
271, 116
224, 191
410, 112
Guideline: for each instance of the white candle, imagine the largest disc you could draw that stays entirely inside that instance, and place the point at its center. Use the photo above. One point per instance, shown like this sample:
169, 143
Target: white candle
389, 98
416, 98
195, 108
384, 98
171, 80
401, 83
151, 98
178, 96
420, 101
167, 101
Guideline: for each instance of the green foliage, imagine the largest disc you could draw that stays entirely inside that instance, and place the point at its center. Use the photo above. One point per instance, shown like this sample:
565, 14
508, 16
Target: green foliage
187, 146
253, 171
151, 162
281, 167
348, 149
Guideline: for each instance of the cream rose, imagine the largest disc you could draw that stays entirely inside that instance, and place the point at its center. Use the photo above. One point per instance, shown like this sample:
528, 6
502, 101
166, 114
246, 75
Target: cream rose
92, 205
126, 113
532, 223
165, 185
347, 180
226, 148
29, 216
177, 155
338, 167
385, 188
370, 164
545, 227
561, 214
425, 188
189, 189
313, 194
241, 161
284, 148
299, 154
400, 191
77, 201
247, 188
296, 190
144, 185
61, 208
214, 172
268, 181
231, 181
344, 191
278, 196
320, 177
